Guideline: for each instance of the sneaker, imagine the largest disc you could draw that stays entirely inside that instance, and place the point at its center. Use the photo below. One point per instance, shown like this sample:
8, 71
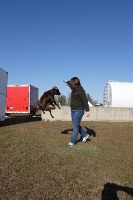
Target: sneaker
85, 138
70, 144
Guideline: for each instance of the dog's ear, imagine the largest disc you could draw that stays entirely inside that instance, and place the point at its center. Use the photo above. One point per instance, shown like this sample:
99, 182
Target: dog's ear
55, 87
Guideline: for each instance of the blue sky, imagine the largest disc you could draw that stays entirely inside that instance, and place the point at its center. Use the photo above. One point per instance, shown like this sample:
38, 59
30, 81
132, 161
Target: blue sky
43, 42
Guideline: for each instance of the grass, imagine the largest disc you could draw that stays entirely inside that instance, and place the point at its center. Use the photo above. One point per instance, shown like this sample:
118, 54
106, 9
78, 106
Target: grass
37, 164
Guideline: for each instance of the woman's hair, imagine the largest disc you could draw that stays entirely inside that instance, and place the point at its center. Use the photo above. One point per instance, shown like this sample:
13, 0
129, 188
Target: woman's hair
75, 82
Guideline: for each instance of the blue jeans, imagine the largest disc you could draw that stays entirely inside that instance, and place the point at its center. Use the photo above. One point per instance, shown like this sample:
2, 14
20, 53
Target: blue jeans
76, 116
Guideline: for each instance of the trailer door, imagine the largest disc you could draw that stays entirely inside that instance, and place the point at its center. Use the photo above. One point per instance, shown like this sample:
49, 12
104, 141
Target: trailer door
17, 99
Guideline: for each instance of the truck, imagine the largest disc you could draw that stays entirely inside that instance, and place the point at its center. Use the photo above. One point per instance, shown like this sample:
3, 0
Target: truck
3, 87
21, 99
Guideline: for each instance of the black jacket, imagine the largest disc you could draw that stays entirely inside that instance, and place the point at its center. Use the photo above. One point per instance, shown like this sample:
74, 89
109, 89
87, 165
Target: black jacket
78, 99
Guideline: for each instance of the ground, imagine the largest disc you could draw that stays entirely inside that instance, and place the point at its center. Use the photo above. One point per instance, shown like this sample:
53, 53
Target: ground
37, 164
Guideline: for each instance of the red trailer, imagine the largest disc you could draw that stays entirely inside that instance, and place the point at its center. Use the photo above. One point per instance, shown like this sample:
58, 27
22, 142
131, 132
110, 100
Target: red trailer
21, 99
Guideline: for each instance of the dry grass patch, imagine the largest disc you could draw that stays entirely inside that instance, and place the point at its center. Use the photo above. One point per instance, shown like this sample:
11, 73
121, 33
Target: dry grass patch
37, 164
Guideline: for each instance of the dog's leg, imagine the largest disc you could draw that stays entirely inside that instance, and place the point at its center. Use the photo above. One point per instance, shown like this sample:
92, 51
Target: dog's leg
51, 114
52, 104
49, 109
56, 104
41, 107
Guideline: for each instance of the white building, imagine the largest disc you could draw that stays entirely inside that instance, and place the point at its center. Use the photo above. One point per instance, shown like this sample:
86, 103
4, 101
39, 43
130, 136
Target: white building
118, 94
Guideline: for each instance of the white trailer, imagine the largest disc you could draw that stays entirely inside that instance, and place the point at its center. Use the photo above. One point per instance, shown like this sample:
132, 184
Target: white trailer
118, 94
3, 87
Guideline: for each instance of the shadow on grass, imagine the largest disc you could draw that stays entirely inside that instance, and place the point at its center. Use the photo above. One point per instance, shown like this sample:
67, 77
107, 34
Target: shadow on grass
110, 191
89, 131
19, 119
66, 131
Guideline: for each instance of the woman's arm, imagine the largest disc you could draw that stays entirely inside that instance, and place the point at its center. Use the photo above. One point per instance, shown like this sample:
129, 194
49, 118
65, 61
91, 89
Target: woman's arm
68, 83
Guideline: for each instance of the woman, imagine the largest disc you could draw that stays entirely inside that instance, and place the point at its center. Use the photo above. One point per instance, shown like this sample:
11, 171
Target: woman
79, 105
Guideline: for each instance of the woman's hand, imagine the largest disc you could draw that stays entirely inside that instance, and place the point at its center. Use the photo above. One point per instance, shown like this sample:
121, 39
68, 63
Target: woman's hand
87, 113
65, 81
